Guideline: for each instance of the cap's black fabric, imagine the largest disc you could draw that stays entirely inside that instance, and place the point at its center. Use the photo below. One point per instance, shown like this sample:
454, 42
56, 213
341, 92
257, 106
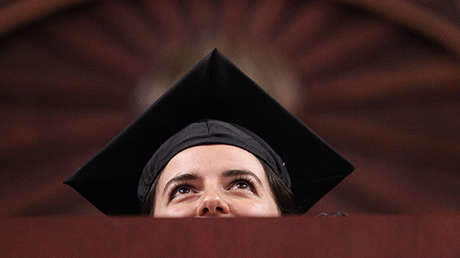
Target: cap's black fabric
213, 89
209, 132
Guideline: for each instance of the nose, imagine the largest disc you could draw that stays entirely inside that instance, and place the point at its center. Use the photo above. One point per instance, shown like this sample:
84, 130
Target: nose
213, 205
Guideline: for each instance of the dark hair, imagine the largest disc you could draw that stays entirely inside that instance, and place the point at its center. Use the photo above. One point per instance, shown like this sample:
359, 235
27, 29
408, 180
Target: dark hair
284, 197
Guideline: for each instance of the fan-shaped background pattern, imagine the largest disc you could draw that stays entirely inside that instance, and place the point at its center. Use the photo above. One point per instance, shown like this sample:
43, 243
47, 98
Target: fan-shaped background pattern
378, 80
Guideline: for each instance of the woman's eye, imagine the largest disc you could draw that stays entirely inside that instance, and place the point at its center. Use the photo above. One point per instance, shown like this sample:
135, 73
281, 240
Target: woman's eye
183, 190
180, 190
242, 184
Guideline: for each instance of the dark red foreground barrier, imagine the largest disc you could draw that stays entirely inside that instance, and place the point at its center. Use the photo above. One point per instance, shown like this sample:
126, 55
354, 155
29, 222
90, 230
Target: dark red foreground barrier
352, 236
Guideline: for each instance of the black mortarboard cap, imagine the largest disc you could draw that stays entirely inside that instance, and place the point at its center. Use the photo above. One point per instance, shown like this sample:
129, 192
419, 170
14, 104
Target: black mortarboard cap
213, 89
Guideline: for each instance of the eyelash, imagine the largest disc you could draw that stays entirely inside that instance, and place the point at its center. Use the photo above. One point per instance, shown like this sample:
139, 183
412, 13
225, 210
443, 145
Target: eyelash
240, 179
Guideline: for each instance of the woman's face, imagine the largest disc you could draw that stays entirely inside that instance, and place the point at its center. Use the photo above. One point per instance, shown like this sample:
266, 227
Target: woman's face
214, 181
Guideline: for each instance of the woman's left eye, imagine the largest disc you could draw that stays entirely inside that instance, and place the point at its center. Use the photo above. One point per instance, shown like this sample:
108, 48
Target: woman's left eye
241, 184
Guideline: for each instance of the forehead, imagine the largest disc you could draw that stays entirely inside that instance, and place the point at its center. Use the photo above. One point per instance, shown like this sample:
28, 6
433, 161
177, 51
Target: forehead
211, 160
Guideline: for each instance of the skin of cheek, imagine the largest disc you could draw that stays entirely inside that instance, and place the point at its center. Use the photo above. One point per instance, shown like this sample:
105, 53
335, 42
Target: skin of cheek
178, 211
251, 208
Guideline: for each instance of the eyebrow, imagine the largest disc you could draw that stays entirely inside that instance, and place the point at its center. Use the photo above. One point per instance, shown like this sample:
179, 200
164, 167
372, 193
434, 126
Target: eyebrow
237, 172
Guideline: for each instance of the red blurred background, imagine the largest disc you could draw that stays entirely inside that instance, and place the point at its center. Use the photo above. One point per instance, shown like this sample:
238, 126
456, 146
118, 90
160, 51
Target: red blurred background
378, 80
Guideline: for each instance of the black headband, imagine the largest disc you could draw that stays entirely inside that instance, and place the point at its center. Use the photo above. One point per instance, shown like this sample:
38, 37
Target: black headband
203, 133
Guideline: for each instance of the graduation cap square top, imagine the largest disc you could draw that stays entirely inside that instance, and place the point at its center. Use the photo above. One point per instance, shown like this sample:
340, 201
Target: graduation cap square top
213, 89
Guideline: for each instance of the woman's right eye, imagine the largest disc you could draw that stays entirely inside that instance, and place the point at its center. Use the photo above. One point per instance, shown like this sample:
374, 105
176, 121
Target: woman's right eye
183, 189
180, 190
